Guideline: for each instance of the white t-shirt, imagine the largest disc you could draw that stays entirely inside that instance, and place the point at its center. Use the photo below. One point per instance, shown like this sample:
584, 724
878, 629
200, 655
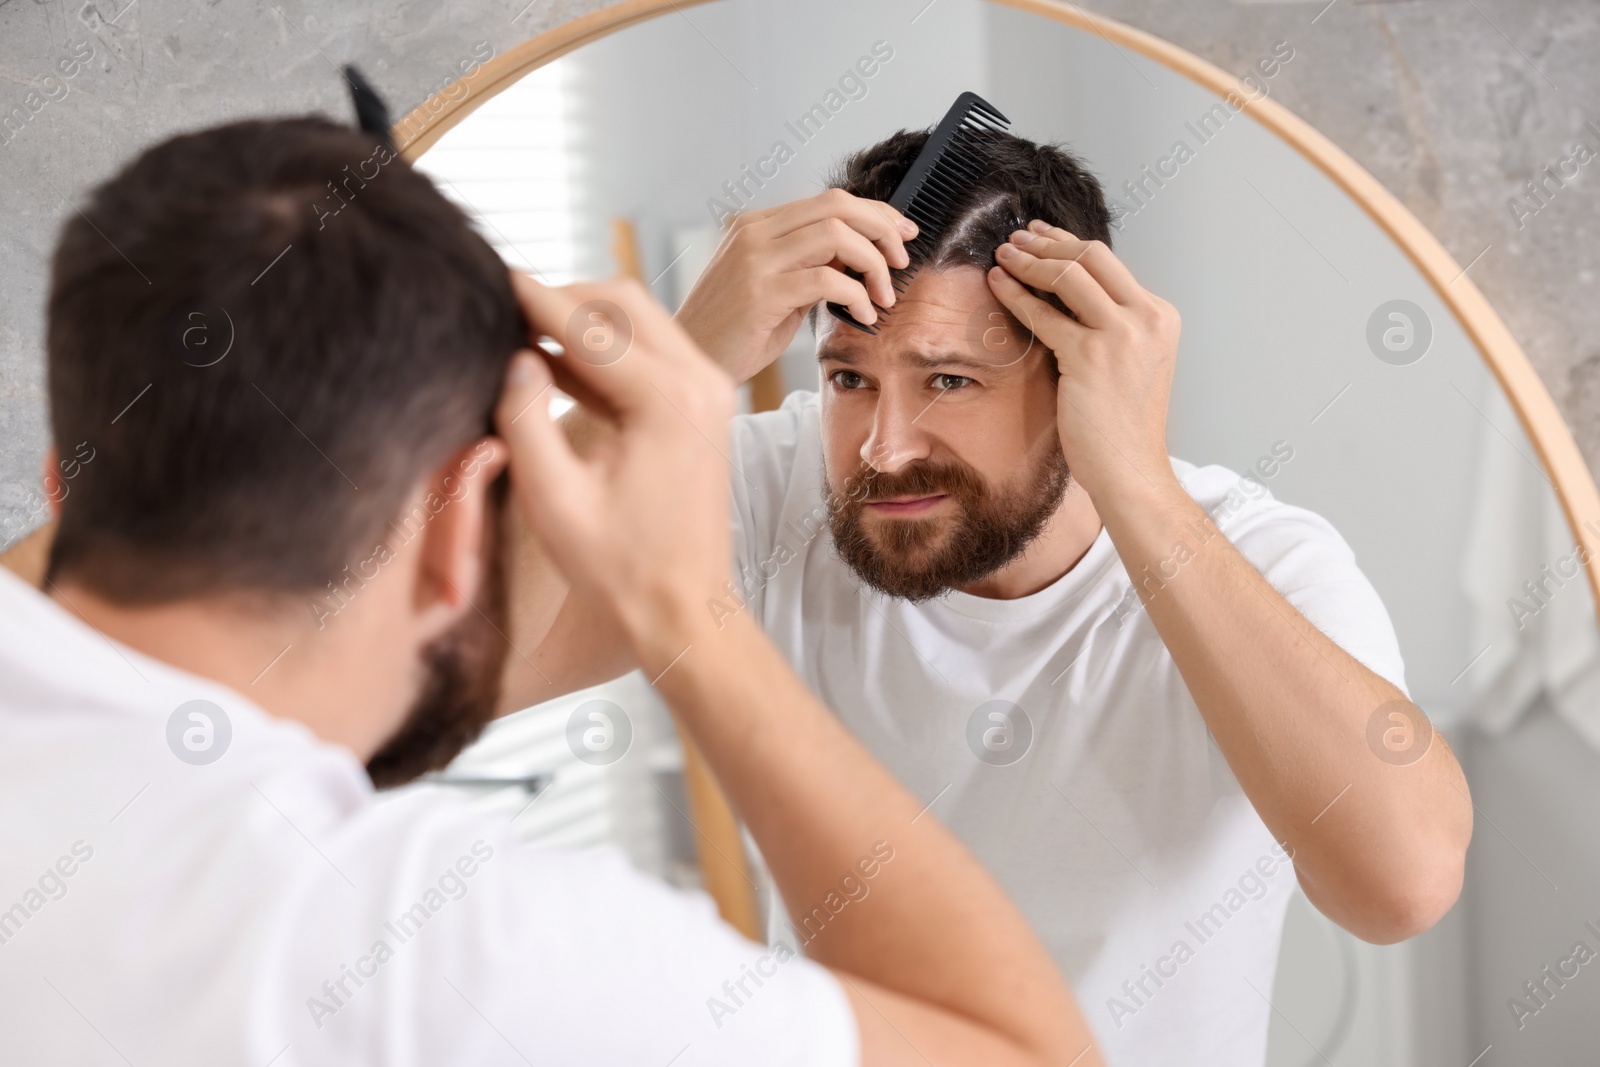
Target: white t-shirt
1118, 827
268, 908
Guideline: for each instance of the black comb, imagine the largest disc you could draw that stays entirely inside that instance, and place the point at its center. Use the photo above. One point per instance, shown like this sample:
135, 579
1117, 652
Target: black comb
954, 157
372, 114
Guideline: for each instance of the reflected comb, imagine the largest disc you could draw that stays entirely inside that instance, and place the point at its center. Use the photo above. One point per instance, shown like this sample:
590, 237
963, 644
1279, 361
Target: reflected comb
954, 157
372, 114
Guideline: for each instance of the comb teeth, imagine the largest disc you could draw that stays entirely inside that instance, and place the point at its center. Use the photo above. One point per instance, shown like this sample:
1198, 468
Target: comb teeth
954, 157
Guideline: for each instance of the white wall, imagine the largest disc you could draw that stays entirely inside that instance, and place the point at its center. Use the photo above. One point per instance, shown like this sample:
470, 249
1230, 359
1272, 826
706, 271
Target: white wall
681, 104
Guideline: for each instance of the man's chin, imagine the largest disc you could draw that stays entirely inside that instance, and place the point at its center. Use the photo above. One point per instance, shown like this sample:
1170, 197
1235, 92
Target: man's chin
901, 571
907, 539
912, 585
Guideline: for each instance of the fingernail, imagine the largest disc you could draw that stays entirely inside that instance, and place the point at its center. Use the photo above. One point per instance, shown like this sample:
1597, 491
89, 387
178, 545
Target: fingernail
908, 227
1023, 238
1005, 251
1038, 226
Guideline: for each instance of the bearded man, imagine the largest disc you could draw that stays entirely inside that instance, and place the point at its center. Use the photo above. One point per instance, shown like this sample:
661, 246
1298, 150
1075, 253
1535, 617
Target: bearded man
1139, 690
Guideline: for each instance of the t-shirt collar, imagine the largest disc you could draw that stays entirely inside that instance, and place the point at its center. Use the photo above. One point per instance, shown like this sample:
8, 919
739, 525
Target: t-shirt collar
1071, 586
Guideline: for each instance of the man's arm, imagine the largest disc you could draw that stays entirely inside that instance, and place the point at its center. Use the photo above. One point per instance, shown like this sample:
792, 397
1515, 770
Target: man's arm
1378, 848
936, 961
562, 640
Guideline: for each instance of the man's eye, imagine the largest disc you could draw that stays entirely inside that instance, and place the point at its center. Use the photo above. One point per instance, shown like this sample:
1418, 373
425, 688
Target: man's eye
947, 382
847, 379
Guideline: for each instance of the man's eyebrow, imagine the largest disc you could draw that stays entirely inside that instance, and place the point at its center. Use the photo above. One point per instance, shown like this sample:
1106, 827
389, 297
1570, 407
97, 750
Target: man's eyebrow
922, 362
948, 360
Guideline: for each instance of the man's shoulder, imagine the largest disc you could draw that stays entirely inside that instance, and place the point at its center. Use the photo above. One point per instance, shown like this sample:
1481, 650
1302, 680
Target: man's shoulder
771, 447
1303, 555
782, 425
1240, 502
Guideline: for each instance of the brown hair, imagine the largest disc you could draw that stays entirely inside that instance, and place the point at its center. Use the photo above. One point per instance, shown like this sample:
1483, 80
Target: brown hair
268, 331
1021, 181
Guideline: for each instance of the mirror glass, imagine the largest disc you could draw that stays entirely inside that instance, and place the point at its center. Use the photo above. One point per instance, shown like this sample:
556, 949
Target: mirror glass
1315, 359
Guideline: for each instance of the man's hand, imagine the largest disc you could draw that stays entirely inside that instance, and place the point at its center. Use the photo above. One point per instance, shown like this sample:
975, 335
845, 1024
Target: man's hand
773, 266
1385, 863
604, 517
1116, 359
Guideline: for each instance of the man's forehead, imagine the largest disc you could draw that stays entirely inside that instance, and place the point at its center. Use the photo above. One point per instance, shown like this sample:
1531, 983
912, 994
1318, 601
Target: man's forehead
944, 318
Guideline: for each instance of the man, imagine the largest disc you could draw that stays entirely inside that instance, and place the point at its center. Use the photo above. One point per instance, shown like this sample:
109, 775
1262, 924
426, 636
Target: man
1139, 690
286, 411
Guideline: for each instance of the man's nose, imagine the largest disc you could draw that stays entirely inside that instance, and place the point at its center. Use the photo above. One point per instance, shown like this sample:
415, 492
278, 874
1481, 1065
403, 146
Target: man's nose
896, 439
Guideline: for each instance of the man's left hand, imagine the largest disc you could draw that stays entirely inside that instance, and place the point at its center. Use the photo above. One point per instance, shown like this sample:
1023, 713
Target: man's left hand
1116, 358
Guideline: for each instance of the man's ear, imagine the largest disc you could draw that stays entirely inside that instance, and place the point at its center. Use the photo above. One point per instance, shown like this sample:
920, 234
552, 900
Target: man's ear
457, 499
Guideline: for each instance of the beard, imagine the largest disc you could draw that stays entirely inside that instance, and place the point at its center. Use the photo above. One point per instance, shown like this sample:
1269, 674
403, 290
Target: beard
461, 668
918, 559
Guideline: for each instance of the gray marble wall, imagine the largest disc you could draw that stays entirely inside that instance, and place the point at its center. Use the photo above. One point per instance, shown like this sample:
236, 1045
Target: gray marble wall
1453, 104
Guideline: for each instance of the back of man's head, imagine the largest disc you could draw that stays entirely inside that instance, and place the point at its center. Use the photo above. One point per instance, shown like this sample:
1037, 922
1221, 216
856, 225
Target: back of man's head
268, 332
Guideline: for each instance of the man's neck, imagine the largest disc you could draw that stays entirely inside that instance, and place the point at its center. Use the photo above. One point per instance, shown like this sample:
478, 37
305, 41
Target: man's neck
1064, 541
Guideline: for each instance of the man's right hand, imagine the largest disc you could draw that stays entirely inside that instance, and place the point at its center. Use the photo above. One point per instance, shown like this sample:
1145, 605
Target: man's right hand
639, 522
774, 266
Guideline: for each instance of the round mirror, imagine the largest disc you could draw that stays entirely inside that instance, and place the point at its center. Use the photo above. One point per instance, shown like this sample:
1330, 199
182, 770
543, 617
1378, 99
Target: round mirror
1332, 354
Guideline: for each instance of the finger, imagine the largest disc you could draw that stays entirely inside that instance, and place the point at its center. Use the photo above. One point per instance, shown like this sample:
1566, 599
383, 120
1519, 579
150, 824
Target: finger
1076, 287
548, 476
1096, 257
833, 241
873, 219
659, 333
540, 451
1054, 330
762, 214
806, 288
571, 315
574, 387
670, 377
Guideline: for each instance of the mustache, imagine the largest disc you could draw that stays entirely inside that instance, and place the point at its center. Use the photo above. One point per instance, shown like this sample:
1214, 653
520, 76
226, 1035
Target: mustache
919, 479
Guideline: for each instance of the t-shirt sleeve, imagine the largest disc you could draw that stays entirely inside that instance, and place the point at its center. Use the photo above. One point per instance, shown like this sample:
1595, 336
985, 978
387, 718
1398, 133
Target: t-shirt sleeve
457, 943
766, 448
1305, 558
626, 970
